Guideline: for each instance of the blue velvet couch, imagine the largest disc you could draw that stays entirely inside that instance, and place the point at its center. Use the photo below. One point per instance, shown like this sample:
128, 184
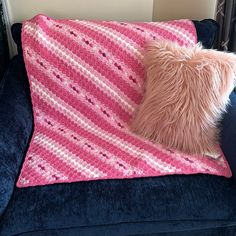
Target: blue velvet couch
196, 205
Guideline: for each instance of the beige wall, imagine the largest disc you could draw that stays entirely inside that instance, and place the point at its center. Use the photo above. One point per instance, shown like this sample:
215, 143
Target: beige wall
124, 10
177, 9
132, 10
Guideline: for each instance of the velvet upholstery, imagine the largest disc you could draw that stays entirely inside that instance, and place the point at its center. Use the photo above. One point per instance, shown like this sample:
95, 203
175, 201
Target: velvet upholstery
228, 134
123, 207
16, 35
207, 31
15, 126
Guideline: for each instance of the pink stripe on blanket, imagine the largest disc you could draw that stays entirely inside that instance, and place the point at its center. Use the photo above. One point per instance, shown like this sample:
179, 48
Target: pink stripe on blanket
86, 80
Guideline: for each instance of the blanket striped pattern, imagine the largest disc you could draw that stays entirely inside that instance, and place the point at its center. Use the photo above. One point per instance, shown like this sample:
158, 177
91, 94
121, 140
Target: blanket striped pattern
86, 80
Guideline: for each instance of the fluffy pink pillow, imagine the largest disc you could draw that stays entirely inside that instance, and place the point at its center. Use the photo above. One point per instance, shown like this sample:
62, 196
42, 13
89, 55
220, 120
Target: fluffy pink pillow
187, 89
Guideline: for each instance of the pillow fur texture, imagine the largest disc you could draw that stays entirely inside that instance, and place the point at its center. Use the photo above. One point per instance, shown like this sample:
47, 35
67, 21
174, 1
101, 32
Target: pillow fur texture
187, 89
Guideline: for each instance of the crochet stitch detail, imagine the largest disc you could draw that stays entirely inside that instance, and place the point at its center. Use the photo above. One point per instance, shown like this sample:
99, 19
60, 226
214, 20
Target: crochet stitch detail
86, 80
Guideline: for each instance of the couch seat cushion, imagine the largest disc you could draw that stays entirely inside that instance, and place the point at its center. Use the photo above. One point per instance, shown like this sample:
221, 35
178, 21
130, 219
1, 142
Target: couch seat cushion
122, 207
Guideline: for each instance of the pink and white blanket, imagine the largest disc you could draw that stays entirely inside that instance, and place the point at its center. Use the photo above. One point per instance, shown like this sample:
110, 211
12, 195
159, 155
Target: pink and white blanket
86, 80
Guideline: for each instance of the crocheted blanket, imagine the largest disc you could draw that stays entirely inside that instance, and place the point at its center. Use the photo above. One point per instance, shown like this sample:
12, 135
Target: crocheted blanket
86, 80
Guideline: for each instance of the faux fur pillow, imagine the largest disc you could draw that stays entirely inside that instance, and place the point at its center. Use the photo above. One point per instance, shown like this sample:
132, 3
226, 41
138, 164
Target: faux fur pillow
187, 89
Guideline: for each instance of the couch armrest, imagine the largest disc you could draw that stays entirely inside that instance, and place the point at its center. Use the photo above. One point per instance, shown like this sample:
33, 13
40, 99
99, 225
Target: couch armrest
15, 126
228, 134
